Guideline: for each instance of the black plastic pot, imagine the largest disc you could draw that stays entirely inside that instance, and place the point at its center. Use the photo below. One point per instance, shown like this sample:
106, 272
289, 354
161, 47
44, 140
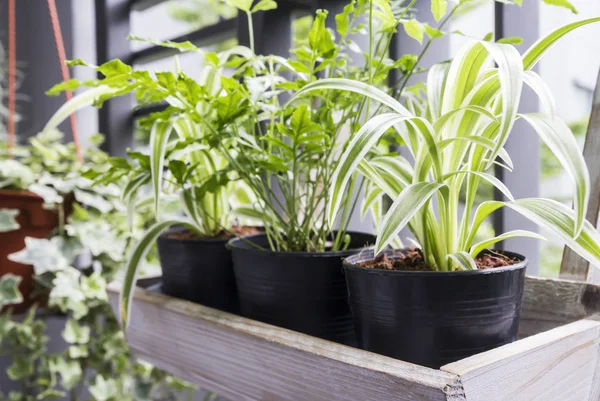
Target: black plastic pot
434, 318
301, 291
198, 270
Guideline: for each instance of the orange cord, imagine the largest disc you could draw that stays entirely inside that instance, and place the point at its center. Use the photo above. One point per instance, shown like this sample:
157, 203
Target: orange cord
12, 73
60, 47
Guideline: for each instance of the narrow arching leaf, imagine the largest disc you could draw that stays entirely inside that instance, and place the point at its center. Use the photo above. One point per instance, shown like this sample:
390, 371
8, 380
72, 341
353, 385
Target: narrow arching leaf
463, 260
436, 83
360, 144
159, 136
537, 50
355, 87
535, 82
138, 254
488, 177
486, 244
129, 194
78, 102
405, 207
560, 219
560, 140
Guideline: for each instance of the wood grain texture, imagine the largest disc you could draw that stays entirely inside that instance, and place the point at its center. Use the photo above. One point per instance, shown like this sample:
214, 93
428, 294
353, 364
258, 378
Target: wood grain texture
243, 359
573, 266
558, 365
550, 303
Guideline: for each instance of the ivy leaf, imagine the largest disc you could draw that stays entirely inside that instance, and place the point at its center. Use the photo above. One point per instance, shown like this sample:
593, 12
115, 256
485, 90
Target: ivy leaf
69, 371
8, 221
562, 3
45, 255
9, 290
22, 367
94, 286
414, 29
74, 333
103, 389
438, 8
264, 5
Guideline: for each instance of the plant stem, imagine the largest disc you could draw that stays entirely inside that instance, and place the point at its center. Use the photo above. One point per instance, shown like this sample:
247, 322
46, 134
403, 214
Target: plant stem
250, 31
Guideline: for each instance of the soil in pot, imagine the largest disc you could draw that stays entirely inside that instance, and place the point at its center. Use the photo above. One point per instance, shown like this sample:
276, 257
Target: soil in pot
200, 269
34, 221
404, 310
301, 291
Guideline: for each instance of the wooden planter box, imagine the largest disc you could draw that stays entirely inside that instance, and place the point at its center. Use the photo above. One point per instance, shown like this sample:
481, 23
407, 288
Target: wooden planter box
556, 359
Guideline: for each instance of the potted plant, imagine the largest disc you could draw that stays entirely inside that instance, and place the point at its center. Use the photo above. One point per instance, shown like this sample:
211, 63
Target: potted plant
452, 296
285, 154
195, 263
191, 240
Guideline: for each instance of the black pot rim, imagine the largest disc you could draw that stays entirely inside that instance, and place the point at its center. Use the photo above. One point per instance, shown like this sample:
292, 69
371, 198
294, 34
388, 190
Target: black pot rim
349, 263
173, 229
234, 244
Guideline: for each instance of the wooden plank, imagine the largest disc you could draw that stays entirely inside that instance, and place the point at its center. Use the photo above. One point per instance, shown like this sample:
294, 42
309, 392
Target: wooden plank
573, 266
549, 303
243, 359
558, 365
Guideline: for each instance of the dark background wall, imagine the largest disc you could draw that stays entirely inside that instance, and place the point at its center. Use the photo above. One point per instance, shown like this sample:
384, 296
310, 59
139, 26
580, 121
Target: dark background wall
36, 52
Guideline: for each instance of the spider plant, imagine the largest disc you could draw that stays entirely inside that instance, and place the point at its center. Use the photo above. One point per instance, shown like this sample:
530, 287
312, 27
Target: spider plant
472, 107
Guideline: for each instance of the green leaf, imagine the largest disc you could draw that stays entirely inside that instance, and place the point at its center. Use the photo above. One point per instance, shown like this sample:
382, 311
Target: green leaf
414, 29
69, 85
404, 208
537, 50
319, 37
560, 219
360, 144
301, 122
178, 169
342, 20
8, 220
9, 290
562, 143
113, 68
463, 260
159, 136
486, 244
243, 5
513, 40
74, 333
438, 8
77, 103
212, 59
562, 3
119, 163
264, 5
138, 254
181, 46
22, 367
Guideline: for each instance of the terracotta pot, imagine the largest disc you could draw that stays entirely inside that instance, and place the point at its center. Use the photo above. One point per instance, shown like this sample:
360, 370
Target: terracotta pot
34, 221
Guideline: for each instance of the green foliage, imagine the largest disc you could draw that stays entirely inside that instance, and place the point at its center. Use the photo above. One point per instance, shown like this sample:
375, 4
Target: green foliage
98, 228
469, 120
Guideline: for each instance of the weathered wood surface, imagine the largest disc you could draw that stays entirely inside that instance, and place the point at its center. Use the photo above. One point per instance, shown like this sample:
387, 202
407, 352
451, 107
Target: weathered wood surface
243, 359
573, 266
550, 303
558, 365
